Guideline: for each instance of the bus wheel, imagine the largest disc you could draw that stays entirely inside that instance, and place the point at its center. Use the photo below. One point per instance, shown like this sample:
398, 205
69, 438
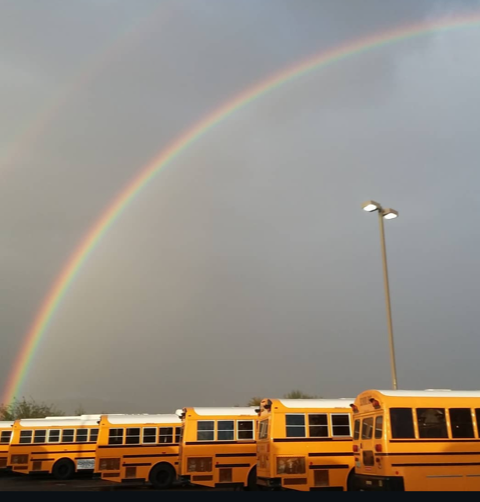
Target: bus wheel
252, 480
162, 476
352, 482
63, 469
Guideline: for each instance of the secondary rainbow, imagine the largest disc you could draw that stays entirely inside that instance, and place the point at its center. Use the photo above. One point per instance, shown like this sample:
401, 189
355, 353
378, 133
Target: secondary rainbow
114, 210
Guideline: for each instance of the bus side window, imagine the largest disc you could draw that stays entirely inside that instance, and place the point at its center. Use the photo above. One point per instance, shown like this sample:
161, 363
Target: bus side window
5, 437
295, 425
461, 422
401, 420
115, 436
356, 430
432, 423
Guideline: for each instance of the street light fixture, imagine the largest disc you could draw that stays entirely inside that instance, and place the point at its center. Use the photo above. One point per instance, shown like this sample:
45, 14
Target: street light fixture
388, 214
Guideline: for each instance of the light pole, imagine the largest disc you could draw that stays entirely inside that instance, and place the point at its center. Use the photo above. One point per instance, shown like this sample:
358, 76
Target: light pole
388, 214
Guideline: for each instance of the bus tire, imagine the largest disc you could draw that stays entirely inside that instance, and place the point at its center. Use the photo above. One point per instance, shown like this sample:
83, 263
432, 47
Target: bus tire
252, 479
162, 476
63, 469
352, 482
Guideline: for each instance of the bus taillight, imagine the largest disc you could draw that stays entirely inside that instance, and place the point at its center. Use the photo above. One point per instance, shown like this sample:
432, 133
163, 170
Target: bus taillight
378, 447
355, 448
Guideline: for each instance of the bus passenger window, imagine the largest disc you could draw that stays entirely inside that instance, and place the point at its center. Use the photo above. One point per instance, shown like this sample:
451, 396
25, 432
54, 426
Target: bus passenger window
25, 437
93, 435
367, 428
40, 436
356, 429
318, 425
165, 435
225, 430
178, 434
401, 420
5, 437
82, 435
132, 436
341, 425
150, 435
54, 436
115, 436
245, 429
205, 430
295, 426
461, 422
67, 435
378, 427
432, 423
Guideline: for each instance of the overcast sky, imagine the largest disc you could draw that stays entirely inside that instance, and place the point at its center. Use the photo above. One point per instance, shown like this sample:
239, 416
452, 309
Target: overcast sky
246, 267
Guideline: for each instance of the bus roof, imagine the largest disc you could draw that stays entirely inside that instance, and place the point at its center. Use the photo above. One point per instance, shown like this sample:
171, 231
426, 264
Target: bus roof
317, 403
427, 393
143, 419
227, 411
43, 422
5, 424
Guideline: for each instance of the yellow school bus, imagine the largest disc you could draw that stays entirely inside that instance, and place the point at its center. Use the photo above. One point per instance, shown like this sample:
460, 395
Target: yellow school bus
305, 444
417, 440
139, 448
218, 447
60, 446
6, 430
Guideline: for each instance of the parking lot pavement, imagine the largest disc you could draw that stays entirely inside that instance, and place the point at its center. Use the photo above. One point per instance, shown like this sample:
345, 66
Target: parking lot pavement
21, 482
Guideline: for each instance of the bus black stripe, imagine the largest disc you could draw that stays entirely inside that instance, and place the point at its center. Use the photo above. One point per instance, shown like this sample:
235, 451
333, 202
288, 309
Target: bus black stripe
334, 466
153, 445
307, 440
329, 454
442, 453
232, 465
235, 454
158, 455
452, 464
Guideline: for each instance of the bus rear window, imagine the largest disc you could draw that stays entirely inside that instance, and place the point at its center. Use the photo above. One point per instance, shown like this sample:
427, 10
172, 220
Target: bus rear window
401, 420
263, 429
378, 427
367, 428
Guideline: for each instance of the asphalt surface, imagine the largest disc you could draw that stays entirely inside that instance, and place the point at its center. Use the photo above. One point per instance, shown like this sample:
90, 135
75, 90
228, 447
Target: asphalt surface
21, 482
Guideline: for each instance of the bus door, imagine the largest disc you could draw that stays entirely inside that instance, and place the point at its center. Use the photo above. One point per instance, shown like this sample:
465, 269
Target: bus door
371, 439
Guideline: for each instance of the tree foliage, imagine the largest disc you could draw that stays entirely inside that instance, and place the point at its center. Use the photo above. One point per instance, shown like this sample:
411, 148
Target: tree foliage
294, 394
24, 408
79, 410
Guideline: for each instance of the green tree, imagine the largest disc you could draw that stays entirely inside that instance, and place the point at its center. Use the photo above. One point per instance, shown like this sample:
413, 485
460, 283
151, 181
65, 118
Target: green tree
28, 409
298, 394
254, 401
79, 410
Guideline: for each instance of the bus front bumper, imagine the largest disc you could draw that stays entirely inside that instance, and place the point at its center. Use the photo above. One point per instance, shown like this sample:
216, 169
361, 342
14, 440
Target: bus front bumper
379, 483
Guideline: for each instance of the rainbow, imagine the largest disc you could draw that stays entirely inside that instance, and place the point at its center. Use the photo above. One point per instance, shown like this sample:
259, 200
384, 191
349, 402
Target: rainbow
188, 138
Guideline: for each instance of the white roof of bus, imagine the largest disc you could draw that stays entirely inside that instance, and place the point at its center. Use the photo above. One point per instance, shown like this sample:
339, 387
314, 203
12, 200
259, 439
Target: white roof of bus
43, 422
232, 410
429, 393
144, 419
5, 424
317, 403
